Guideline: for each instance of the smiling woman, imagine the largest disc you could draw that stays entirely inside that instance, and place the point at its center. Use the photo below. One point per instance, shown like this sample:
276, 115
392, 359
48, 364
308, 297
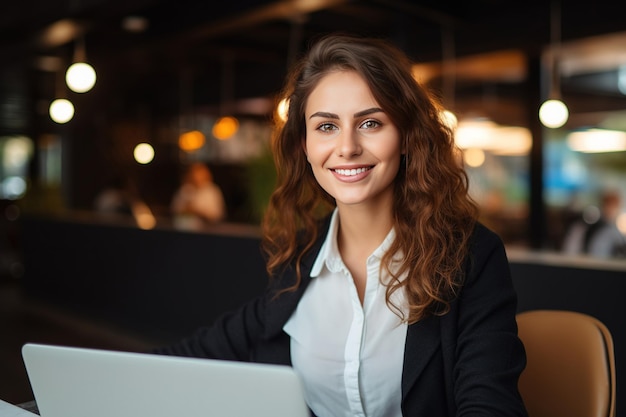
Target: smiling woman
387, 296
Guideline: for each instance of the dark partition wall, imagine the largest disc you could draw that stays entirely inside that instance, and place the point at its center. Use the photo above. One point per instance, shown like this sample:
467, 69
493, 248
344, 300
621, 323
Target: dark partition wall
160, 284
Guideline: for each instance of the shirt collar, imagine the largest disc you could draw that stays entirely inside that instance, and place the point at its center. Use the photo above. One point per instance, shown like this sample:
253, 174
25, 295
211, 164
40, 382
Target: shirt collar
329, 252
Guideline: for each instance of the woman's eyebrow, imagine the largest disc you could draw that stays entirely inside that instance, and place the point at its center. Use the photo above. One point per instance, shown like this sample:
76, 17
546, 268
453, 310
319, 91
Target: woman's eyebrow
368, 111
324, 115
357, 114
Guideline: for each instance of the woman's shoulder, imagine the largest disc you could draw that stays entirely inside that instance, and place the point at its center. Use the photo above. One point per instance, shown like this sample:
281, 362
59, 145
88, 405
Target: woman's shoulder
485, 246
482, 235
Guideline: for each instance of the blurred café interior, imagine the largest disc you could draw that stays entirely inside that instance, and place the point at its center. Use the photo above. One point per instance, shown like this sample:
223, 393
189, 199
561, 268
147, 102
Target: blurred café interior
178, 82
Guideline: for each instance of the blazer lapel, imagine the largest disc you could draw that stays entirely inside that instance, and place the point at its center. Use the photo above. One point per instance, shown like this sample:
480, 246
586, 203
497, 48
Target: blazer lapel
280, 309
422, 341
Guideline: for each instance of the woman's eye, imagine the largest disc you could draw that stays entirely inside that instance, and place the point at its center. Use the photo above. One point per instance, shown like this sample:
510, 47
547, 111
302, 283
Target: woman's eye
370, 124
326, 127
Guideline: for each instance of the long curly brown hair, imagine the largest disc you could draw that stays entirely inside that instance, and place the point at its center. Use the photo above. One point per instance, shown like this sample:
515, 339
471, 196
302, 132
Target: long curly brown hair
433, 213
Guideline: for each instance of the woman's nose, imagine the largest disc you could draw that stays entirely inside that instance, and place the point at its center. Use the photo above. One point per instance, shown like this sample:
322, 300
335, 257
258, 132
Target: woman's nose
348, 144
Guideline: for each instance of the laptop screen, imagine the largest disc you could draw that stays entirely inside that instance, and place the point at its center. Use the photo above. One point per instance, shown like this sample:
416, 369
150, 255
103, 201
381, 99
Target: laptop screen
80, 382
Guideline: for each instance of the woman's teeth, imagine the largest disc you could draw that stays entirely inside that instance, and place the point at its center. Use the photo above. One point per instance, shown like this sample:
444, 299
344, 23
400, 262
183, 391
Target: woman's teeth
350, 172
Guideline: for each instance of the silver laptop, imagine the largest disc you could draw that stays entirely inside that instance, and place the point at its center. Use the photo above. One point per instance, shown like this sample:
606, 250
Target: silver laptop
80, 382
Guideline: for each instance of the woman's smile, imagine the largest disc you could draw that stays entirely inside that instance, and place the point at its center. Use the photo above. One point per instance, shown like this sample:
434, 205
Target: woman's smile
351, 174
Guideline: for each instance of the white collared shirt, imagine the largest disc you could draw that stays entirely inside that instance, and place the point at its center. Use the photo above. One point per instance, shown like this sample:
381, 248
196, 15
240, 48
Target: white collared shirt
348, 356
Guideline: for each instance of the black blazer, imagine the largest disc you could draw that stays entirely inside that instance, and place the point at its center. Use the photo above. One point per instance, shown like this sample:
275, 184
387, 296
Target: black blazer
465, 363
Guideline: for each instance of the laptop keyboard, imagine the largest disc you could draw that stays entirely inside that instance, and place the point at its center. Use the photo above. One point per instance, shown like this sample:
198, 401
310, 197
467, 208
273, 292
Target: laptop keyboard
30, 406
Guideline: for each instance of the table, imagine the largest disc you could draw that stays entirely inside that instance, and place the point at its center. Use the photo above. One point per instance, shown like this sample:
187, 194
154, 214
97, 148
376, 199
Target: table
10, 410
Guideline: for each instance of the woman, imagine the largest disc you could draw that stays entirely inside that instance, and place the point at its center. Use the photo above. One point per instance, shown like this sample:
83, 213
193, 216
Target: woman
198, 201
386, 295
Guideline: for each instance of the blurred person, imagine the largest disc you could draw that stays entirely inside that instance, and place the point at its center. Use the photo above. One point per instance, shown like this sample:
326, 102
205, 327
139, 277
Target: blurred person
386, 294
199, 200
596, 233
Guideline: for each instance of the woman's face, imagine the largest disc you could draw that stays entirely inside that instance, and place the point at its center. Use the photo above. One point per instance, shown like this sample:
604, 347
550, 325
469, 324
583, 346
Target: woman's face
352, 145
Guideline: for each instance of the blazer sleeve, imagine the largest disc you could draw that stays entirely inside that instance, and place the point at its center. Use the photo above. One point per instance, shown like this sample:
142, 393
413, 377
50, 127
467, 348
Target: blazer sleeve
488, 356
254, 331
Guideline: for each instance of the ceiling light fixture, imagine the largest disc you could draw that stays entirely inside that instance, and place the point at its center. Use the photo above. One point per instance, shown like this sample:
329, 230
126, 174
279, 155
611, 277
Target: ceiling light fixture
191, 138
80, 76
553, 113
226, 125
61, 109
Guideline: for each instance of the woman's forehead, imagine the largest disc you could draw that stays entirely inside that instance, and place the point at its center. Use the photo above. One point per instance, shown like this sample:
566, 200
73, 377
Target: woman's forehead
340, 91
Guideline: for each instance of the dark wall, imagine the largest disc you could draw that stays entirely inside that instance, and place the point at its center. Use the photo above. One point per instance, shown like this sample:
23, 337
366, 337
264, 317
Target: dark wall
160, 283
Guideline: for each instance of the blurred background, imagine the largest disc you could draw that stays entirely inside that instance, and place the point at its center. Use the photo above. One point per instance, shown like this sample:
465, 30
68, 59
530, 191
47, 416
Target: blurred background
167, 71
106, 104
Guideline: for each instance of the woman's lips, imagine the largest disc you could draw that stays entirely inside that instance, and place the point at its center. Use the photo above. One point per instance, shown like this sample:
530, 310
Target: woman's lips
351, 174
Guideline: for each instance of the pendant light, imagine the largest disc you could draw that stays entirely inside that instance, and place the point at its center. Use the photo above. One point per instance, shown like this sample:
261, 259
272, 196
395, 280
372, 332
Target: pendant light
80, 76
226, 125
553, 113
190, 138
61, 109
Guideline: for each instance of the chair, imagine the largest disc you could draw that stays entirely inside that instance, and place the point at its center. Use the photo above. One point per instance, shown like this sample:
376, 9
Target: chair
570, 368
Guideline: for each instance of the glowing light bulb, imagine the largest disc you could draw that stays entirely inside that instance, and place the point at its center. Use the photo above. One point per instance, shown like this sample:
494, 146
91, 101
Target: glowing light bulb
225, 127
143, 153
553, 113
80, 77
191, 141
61, 110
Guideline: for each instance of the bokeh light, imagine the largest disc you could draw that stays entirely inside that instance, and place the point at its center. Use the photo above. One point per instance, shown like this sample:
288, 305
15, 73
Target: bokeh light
191, 141
225, 127
80, 77
61, 110
553, 113
144, 153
